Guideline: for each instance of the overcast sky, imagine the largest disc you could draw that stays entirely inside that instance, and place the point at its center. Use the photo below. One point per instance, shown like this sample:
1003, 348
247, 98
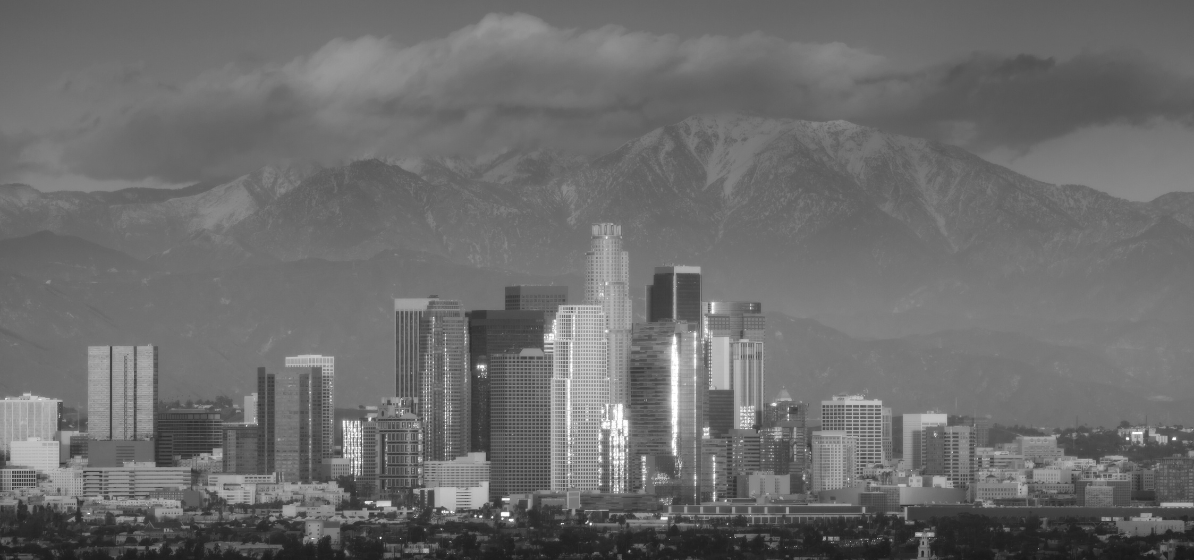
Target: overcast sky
104, 95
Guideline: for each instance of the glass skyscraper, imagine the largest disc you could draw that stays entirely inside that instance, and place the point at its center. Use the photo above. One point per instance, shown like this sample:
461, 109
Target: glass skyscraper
431, 353
327, 402
497, 332
520, 426
675, 294
185, 433
580, 397
734, 332
122, 392
289, 416
536, 298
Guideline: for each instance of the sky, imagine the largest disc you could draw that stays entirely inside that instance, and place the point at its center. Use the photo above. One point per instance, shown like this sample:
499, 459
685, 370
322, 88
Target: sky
100, 96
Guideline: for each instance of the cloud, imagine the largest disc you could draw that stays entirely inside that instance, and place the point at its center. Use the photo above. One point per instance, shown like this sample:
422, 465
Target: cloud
516, 81
13, 154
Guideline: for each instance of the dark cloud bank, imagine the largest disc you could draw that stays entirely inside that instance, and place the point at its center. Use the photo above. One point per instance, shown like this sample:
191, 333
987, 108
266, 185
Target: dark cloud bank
515, 81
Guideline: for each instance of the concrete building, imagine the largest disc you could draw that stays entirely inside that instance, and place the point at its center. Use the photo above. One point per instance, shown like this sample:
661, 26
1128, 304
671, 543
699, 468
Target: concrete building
760, 483
1038, 449
580, 395
35, 453
27, 416
289, 415
187, 433
467, 471
394, 455
66, 481
668, 387
783, 440
1105, 489
536, 298
323, 428
314, 530
15, 478
520, 426
913, 442
240, 443
491, 333
133, 481
949, 452
115, 453
122, 392
859, 417
432, 372
734, 332
833, 460
1175, 479
249, 412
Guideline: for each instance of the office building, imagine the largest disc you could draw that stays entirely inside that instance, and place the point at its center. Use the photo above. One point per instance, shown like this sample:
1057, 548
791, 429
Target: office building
715, 469
745, 453
240, 443
783, 444
249, 412
27, 416
432, 372
1103, 490
734, 332
520, 426
1174, 479
122, 392
1039, 449
323, 435
833, 460
353, 447
187, 433
394, 442
462, 472
607, 285
15, 478
861, 418
497, 332
35, 453
887, 439
667, 409
675, 295
536, 298
913, 440
115, 453
580, 393
133, 481
289, 415
949, 452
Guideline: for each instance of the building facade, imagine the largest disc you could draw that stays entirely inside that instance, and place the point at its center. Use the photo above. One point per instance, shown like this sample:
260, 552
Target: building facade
783, 439
395, 446
1174, 479
240, 443
35, 453
675, 295
27, 416
536, 298
833, 460
323, 434
122, 392
580, 395
520, 426
290, 416
607, 285
733, 333
913, 452
497, 332
949, 452
859, 417
432, 372
186, 433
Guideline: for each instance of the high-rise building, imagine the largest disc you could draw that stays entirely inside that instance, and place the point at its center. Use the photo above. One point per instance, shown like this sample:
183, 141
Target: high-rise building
675, 295
35, 453
432, 372
240, 445
607, 284
395, 443
783, 442
715, 469
913, 440
949, 452
185, 433
323, 435
580, 395
122, 392
859, 417
745, 456
1175, 479
250, 409
27, 416
290, 415
520, 426
353, 448
536, 298
497, 332
734, 353
887, 451
833, 458
668, 395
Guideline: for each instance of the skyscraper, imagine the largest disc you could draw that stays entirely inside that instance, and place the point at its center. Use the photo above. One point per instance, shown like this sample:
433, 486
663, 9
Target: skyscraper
607, 284
354, 444
327, 402
27, 416
520, 427
861, 418
675, 295
250, 409
783, 442
240, 443
734, 351
536, 298
949, 451
913, 440
833, 461
394, 454
668, 395
431, 367
580, 394
122, 392
185, 433
497, 332
289, 415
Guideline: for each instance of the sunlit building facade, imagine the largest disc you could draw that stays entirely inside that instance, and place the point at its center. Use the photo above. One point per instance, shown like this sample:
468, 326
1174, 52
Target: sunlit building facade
325, 433
833, 460
580, 395
861, 418
27, 416
122, 392
431, 369
733, 334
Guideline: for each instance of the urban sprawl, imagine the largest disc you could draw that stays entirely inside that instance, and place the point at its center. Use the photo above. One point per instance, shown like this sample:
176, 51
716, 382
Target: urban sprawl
549, 430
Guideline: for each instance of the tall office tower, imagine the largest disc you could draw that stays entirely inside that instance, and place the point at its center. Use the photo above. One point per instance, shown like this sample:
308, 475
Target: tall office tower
520, 427
745, 457
783, 443
833, 463
607, 284
887, 451
715, 469
949, 451
675, 295
431, 367
897, 436
290, 415
353, 448
185, 433
497, 332
580, 394
859, 417
536, 298
326, 437
668, 395
27, 416
982, 428
1175, 479
394, 440
734, 352
240, 445
913, 440
122, 392
250, 409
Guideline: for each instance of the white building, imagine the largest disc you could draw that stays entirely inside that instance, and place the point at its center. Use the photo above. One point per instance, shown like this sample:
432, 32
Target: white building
453, 498
133, 481
328, 404
859, 417
580, 392
250, 411
27, 416
66, 481
914, 424
833, 464
35, 453
467, 471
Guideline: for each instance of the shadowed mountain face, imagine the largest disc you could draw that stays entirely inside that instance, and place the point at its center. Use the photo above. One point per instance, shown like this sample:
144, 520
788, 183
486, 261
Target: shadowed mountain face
872, 234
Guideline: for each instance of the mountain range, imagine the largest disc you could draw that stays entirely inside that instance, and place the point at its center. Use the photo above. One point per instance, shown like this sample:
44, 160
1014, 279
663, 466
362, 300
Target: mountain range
891, 264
